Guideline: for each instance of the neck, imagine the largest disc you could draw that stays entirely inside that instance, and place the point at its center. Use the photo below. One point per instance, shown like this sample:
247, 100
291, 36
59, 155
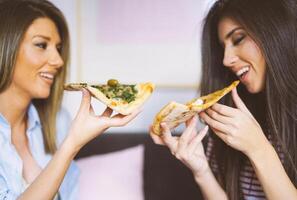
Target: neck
14, 106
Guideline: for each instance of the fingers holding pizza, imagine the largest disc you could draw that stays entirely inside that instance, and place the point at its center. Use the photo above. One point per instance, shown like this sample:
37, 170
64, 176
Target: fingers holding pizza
236, 126
87, 125
124, 99
188, 147
175, 113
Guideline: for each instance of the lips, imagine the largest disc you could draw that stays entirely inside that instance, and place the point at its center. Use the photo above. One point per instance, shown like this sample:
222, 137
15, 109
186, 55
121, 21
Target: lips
242, 71
47, 76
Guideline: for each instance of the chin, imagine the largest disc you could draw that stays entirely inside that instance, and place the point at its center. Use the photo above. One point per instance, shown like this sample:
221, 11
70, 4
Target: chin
42, 94
254, 89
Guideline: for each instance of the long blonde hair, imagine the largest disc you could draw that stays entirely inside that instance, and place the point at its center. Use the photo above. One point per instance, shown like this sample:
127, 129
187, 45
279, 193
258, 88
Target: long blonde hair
19, 15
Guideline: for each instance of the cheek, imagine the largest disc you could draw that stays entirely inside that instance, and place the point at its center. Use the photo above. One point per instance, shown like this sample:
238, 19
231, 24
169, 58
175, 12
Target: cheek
261, 64
32, 58
22, 78
255, 55
28, 64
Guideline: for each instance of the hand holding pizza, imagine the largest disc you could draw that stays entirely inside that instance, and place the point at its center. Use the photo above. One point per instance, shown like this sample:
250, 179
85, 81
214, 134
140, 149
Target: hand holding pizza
236, 126
187, 148
87, 125
176, 113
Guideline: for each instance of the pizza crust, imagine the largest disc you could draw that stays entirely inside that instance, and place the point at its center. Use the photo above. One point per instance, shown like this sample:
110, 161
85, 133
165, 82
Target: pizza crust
175, 113
144, 92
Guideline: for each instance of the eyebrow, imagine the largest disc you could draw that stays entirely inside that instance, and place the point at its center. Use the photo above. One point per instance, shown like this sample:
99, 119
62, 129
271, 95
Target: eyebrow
42, 36
46, 38
232, 31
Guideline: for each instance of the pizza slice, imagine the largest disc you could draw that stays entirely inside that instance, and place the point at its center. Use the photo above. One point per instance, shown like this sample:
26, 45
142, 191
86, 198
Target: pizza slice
175, 113
122, 98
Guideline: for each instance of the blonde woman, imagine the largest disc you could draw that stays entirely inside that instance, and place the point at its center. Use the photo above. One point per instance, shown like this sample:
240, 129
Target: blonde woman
37, 142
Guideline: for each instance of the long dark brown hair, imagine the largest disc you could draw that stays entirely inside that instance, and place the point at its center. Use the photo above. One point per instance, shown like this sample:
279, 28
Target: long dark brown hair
15, 18
272, 24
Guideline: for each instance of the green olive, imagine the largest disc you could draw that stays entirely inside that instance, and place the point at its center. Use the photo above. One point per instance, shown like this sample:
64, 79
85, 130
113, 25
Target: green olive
112, 82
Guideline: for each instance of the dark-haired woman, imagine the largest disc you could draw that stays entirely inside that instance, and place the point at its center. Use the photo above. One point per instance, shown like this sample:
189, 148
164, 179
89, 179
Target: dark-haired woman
36, 155
251, 148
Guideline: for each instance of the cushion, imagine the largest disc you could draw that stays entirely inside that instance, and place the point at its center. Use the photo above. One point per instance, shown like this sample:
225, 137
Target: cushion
113, 176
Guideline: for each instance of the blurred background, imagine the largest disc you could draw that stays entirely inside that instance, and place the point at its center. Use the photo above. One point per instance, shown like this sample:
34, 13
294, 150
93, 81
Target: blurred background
136, 41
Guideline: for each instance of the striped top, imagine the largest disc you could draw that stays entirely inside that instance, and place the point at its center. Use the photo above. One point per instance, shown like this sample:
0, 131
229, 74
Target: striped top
249, 183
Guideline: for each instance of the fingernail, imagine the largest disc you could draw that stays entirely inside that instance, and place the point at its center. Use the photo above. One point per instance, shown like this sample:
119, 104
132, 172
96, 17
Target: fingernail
84, 91
164, 126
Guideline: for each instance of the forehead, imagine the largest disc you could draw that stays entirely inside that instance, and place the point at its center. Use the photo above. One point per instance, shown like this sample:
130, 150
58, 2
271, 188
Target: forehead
43, 27
225, 25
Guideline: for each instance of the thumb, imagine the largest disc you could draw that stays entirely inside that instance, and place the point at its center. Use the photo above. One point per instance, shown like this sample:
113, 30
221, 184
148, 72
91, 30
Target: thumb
239, 103
85, 101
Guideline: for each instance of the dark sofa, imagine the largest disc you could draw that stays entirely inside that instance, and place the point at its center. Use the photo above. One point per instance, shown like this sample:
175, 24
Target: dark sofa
165, 178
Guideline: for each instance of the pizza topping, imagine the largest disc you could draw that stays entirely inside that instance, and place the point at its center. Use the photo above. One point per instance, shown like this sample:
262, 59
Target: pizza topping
127, 93
83, 84
121, 98
199, 102
112, 82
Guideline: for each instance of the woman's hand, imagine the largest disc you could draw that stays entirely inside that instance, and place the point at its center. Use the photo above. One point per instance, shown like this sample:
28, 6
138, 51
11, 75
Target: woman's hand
87, 125
236, 126
187, 148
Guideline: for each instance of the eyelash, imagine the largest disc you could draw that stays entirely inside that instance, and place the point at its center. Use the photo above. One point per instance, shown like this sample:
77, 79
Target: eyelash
59, 49
237, 41
42, 45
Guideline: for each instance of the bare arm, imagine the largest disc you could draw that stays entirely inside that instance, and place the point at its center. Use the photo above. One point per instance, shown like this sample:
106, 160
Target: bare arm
210, 187
239, 129
272, 175
46, 185
84, 128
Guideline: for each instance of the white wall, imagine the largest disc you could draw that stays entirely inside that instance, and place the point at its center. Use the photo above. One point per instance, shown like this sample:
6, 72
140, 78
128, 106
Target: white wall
174, 67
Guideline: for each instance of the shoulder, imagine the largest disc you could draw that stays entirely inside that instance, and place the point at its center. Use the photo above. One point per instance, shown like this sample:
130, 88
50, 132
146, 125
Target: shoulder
62, 124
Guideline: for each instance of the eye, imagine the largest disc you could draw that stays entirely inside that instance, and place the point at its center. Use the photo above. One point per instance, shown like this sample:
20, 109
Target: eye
59, 48
41, 45
238, 39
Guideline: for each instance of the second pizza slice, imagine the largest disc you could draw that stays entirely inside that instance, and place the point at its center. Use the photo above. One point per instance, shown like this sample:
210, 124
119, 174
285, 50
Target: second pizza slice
175, 113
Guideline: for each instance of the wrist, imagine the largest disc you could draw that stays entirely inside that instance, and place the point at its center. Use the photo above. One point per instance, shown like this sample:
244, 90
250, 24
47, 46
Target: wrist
69, 147
202, 175
262, 154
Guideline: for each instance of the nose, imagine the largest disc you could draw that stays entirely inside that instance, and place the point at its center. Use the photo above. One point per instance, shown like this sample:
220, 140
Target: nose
55, 59
230, 57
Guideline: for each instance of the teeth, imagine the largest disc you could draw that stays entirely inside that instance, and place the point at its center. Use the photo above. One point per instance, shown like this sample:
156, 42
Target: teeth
47, 75
243, 70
